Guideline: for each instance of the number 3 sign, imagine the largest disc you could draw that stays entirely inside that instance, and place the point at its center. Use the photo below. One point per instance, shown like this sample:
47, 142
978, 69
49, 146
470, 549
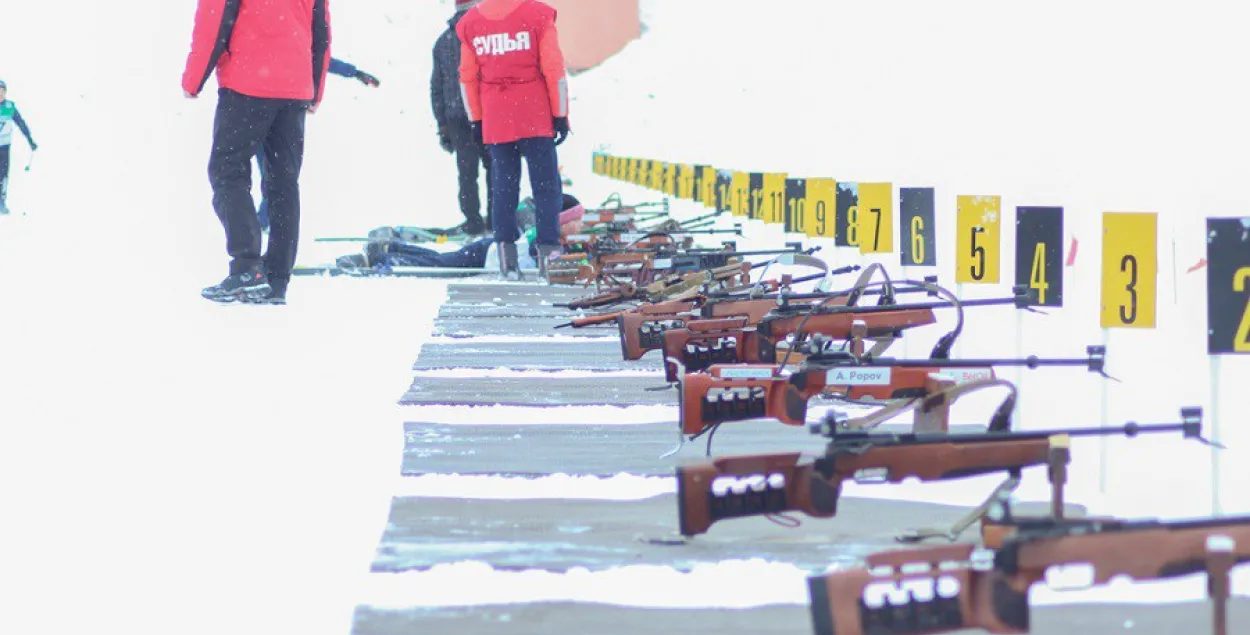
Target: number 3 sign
1129, 269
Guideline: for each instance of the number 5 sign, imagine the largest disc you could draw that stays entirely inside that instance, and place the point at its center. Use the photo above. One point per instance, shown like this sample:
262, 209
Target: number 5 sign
1228, 285
1129, 269
977, 243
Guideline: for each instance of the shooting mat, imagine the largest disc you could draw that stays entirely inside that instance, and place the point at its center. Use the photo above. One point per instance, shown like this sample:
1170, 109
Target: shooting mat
539, 391
597, 354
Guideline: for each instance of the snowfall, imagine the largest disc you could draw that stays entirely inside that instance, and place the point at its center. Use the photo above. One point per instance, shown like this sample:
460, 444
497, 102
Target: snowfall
170, 465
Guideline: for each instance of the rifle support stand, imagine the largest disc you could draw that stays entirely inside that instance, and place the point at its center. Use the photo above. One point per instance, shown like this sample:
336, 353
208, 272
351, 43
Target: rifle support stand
859, 330
1060, 456
1220, 558
1000, 493
935, 418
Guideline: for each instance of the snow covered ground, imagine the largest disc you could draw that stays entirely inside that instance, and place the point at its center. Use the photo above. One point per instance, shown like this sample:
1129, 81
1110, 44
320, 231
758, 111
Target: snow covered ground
164, 458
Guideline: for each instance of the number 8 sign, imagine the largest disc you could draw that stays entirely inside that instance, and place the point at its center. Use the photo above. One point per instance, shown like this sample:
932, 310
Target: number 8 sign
1129, 269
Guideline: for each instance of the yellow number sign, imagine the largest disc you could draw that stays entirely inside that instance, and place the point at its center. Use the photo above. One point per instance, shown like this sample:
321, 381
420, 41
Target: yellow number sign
707, 195
669, 185
977, 239
876, 218
685, 182
739, 193
1129, 269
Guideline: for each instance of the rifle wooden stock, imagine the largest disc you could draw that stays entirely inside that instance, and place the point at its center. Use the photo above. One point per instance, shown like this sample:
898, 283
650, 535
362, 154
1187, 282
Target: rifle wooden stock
777, 483
737, 393
701, 504
939, 590
858, 602
642, 330
1170, 549
706, 342
838, 325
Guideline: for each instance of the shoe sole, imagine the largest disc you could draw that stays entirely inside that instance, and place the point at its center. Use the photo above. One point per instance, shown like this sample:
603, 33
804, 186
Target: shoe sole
258, 292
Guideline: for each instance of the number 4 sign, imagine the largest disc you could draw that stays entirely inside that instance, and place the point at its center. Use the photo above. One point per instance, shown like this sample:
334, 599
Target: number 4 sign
1039, 254
1228, 285
1129, 269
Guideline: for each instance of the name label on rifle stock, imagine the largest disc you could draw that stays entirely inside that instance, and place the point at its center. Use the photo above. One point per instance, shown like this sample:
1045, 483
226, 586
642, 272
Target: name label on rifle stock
574, 238
629, 238
858, 376
590, 217
662, 263
964, 375
746, 373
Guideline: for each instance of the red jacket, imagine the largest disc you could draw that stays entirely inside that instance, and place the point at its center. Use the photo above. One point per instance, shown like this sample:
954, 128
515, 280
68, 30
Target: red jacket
278, 49
512, 69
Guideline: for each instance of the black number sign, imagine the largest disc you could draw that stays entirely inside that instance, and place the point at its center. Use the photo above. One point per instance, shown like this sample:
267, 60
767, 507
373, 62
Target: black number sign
755, 194
724, 178
917, 232
1228, 286
847, 217
696, 193
796, 206
1039, 254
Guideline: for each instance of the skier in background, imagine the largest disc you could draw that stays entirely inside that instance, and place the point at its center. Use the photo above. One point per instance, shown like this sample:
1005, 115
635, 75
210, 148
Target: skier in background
513, 80
455, 134
273, 77
9, 118
337, 67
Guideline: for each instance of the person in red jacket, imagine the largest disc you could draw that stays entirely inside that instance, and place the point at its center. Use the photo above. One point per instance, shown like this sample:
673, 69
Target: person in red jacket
271, 60
515, 92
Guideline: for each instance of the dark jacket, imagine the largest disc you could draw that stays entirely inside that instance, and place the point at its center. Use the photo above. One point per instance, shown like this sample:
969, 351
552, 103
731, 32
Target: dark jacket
445, 97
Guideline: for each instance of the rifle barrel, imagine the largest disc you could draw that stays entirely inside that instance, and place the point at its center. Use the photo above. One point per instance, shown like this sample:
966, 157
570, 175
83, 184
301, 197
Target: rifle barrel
1031, 362
1189, 428
919, 305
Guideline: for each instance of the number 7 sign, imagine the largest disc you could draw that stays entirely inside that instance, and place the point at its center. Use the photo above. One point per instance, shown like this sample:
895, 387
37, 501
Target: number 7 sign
1129, 269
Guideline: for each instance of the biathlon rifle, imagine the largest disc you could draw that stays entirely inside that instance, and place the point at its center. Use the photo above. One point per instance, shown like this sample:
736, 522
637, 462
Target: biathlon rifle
950, 588
701, 344
722, 276
929, 386
730, 299
769, 484
644, 332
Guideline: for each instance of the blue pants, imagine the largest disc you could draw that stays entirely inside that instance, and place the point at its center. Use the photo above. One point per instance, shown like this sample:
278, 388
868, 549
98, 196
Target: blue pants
505, 182
472, 255
262, 212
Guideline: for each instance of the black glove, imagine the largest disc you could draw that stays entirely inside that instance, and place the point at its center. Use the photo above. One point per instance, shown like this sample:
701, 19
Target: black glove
444, 140
367, 79
561, 126
34, 146
477, 132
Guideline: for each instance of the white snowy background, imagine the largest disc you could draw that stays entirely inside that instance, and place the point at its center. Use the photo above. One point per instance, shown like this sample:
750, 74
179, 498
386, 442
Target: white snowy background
171, 465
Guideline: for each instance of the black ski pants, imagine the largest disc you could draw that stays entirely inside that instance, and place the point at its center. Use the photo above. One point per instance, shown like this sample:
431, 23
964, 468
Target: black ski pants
469, 156
243, 125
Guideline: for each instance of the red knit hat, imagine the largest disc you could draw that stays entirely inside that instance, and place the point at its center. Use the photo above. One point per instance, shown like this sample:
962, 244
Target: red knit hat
571, 214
